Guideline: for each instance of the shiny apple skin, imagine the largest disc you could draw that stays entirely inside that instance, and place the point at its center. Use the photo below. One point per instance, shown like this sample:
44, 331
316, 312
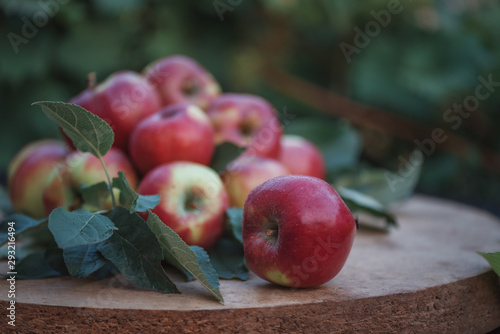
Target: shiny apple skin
193, 200
180, 79
122, 100
248, 121
312, 231
302, 157
177, 132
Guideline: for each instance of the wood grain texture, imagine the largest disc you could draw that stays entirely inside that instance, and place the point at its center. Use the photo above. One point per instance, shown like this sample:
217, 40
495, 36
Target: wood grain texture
422, 277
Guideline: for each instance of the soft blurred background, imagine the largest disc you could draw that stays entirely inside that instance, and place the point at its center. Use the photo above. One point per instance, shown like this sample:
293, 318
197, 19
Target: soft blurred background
364, 101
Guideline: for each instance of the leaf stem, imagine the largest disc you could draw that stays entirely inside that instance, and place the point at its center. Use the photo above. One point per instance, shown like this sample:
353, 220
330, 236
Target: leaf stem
113, 201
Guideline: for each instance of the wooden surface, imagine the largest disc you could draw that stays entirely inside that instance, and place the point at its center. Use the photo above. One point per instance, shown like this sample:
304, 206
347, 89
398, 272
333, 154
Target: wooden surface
422, 277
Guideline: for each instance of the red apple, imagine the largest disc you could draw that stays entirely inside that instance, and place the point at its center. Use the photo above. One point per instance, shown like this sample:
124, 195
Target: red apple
301, 157
247, 172
28, 173
176, 132
247, 121
297, 231
180, 79
80, 169
193, 200
122, 100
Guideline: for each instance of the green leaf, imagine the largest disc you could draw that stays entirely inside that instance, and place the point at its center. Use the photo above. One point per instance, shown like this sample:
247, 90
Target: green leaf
35, 266
96, 194
357, 201
22, 224
228, 259
88, 132
493, 259
79, 227
194, 260
223, 155
387, 187
235, 216
135, 251
5, 203
83, 260
131, 199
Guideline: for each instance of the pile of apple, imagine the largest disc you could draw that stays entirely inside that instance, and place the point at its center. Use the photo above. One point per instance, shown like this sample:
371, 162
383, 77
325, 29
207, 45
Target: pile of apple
167, 122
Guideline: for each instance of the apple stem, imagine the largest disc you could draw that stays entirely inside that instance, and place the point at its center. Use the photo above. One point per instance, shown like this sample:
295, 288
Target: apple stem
91, 80
271, 232
113, 201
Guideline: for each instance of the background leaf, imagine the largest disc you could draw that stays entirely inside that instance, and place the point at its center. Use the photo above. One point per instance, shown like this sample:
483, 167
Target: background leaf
96, 194
235, 217
131, 199
192, 259
223, 155
88, 132
228, 259
494, 261
35, 266
79, 227
135, 251
359, 202
22, 224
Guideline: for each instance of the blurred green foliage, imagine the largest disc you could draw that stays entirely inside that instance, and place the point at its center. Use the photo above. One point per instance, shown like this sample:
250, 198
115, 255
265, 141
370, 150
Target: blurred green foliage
427, 58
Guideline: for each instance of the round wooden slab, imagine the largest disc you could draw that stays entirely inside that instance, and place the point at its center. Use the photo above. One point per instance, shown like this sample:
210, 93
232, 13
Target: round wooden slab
422, 277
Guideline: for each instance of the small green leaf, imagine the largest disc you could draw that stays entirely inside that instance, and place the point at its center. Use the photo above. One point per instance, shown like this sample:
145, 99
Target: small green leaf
493, 259
83, 260
130, 199
88, 132
22, 223
79, 227
228, 259
35, 266
135, 251
96, 194
235, 216
357, 201
387, 187
223, 155
192, 259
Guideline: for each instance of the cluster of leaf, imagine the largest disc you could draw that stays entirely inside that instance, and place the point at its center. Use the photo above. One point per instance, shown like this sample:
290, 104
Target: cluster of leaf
82, 243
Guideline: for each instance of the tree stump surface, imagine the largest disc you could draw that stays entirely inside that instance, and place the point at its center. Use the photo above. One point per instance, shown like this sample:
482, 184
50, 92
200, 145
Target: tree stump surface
424, 276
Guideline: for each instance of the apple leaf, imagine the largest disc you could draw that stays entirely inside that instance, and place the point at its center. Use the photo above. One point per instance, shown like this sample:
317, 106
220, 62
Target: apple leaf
35, 266
79, 227
493, 259
82, 261
235, 216
223, 155
228, 259
96, 194
135, 251
22, 224
130, 199
88, 132
387, 187
194, 260
357, 201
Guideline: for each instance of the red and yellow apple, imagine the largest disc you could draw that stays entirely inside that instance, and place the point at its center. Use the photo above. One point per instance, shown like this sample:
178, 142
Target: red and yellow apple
247, 172
63, 189
297, 231
193, 200
301, 157
248, 121
28, 173
177, 132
